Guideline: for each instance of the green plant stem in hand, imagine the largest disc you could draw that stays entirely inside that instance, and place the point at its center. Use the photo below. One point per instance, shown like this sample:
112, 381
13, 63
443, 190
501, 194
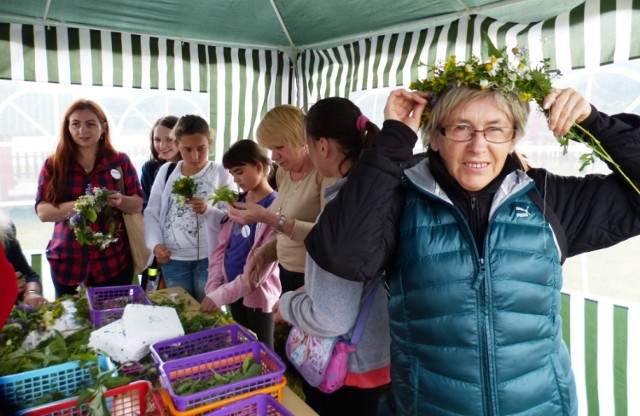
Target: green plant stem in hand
586, 138
224, 194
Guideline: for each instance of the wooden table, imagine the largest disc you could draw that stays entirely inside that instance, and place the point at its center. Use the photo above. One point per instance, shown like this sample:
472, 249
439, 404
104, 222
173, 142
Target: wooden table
290, 400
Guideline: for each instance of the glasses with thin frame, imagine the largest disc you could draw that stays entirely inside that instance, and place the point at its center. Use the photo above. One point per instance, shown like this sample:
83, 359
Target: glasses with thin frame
465, 133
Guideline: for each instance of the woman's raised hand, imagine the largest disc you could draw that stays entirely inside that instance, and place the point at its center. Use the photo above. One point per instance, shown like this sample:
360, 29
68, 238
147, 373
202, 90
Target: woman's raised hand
565, 108
406, 107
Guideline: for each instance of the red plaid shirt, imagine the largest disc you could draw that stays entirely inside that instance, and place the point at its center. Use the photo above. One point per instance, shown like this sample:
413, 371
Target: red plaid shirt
70, 262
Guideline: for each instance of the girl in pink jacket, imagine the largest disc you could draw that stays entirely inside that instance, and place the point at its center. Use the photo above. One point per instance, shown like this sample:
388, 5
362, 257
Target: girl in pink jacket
250, 303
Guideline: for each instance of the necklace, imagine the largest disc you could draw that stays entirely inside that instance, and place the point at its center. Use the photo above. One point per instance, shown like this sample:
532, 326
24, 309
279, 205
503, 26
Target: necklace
292, 190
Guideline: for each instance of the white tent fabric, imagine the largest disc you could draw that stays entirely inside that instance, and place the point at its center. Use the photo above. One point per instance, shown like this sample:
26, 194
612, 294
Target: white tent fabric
244, 83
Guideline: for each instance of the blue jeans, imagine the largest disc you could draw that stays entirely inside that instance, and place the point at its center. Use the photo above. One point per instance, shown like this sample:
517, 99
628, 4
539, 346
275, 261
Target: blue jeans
191, 275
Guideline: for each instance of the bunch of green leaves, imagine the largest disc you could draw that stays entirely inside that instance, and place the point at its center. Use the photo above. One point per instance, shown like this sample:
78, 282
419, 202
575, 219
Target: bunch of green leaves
88, 207
187, 386
81, 301
55, 350
185, 188
192, 322
224, 194
93, 396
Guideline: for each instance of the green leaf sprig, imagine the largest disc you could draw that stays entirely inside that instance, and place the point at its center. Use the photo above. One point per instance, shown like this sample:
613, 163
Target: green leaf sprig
185, 188
224, 194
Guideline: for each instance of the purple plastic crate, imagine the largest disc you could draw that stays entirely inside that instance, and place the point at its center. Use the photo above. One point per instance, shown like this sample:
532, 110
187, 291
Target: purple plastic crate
202, 366
200, 342
258, 405
106, 304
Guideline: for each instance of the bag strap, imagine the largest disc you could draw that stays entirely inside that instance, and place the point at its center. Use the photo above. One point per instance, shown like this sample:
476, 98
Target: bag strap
170, 169
363, 315
121, 181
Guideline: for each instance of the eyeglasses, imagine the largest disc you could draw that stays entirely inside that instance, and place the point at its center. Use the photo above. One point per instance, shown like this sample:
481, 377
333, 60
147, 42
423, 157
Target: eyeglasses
465, 133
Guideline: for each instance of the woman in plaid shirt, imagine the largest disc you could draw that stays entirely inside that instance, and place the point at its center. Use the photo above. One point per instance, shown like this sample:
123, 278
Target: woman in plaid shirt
85, 156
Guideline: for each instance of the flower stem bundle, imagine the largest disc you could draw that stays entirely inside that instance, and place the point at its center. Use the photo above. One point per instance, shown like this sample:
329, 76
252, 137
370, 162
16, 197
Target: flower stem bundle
185, 188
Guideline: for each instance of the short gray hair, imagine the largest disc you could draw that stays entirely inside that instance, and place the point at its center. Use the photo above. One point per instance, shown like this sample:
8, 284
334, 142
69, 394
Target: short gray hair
516, 109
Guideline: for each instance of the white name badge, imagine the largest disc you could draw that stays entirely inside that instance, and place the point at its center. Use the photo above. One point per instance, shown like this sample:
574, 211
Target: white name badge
115, 174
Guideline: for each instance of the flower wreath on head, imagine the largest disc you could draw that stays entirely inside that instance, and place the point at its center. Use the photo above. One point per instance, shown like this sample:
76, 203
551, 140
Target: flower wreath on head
509, 76
88, 207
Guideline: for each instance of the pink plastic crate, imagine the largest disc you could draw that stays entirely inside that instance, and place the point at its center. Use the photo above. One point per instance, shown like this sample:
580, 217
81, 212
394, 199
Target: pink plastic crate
257, 405
202, 366
200, 342
106, 304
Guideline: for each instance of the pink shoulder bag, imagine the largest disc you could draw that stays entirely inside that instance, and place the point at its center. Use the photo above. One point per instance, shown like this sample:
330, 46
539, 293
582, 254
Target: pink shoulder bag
324, 362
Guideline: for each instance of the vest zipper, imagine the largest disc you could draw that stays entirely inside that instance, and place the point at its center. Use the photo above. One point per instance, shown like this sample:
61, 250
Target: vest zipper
484, 339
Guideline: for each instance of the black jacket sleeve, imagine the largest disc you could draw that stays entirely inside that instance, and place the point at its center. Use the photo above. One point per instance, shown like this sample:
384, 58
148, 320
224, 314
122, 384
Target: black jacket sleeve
17, 259
597, 211
355, 235
149, 172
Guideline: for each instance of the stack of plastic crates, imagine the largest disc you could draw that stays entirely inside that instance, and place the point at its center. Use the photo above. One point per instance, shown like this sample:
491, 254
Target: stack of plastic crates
31, 388
128, 400
202, 366
200, 342
106, 304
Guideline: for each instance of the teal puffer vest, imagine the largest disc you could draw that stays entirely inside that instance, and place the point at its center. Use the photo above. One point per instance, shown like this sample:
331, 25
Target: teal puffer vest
471, 335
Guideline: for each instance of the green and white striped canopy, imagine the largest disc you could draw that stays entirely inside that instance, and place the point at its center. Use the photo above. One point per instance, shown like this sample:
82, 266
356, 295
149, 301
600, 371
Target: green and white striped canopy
243, 83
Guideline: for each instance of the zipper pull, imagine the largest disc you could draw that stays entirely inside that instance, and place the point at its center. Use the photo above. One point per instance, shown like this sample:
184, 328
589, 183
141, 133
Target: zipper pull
479, 276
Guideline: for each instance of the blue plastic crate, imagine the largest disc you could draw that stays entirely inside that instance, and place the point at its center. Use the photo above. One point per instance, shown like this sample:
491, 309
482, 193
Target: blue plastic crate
49, 384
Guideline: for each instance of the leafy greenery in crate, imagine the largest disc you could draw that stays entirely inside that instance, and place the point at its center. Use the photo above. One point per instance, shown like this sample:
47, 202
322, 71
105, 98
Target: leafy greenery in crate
55, 350
188, 386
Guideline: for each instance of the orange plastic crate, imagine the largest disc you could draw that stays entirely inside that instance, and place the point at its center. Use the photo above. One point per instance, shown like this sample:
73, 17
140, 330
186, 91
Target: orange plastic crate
274, 391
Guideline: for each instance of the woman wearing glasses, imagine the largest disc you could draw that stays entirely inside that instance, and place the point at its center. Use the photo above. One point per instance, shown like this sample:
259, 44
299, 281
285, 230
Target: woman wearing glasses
476, 242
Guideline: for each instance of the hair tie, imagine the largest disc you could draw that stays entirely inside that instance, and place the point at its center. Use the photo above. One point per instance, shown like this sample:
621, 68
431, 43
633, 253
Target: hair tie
361, 123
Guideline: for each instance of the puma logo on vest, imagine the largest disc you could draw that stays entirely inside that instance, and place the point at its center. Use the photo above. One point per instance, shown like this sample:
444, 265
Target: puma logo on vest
522, 212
